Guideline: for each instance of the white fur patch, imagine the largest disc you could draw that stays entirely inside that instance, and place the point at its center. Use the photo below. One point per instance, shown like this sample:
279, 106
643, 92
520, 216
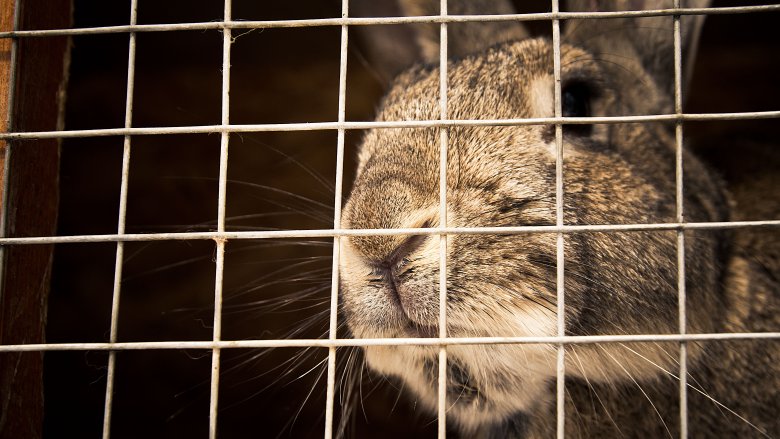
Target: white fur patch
541, 94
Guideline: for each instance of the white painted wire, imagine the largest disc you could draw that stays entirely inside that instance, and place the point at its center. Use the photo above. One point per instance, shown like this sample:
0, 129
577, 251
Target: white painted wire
355, 21
227, 41
329, 233
335, 275
560, 367
450, 341
681, 298
443, 139
437, 123
120, 246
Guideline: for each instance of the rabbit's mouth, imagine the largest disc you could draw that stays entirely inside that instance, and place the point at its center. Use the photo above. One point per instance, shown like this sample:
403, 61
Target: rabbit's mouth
413, 302
394, 297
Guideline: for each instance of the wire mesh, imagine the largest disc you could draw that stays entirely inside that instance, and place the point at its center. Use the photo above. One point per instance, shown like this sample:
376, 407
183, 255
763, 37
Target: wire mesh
342, 126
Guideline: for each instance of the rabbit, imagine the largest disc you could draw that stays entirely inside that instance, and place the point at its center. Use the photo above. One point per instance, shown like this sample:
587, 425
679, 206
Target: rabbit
505, 284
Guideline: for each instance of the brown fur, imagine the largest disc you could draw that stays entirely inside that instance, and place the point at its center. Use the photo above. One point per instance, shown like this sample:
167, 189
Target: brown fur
616, 283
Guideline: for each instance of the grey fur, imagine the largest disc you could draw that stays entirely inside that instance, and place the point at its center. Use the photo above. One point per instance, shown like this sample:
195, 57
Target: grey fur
616, 283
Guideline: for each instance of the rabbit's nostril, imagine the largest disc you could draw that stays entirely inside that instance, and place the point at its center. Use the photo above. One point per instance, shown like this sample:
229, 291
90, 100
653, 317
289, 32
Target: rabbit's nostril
388, 251
394, 251
396, 262
408, 247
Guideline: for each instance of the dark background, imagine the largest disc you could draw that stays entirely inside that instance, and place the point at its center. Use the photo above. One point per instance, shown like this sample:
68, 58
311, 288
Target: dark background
277, 181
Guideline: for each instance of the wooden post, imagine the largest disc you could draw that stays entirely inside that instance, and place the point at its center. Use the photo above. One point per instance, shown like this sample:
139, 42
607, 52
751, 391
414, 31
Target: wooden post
30, 202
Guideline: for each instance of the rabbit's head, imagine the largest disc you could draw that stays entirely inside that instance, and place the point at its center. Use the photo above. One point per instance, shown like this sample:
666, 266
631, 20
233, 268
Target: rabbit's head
505, 284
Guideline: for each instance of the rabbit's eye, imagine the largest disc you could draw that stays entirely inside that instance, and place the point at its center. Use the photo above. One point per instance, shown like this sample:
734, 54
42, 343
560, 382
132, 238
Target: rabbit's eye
576, 97
576, 100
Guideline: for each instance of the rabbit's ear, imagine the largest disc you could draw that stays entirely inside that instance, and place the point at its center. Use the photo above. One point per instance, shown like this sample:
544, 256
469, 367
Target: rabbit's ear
392, 48
648, 40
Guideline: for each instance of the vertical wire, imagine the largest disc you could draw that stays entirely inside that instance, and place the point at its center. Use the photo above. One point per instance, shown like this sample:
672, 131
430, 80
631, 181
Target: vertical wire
120, 246
227, 40
334, 288
560, 372
681, 298
10, 121
443, 137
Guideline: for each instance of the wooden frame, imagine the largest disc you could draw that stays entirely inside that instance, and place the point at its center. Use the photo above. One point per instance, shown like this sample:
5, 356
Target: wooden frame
30, 201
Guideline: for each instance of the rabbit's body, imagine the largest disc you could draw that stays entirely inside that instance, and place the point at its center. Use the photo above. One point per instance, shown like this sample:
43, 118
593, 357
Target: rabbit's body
505, 285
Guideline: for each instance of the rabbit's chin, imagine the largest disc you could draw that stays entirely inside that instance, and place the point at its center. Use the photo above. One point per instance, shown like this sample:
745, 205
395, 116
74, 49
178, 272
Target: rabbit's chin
486, 385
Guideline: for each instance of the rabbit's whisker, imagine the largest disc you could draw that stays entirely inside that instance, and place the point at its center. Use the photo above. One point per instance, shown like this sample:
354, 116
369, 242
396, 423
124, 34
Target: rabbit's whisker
593, 389
639, 386
697, 389
308, 169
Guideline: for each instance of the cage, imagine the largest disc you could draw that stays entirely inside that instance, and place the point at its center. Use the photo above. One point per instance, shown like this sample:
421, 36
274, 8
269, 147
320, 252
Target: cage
174, 175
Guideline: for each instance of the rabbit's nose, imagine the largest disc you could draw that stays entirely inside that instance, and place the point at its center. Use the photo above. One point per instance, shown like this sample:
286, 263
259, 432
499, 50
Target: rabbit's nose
388, 250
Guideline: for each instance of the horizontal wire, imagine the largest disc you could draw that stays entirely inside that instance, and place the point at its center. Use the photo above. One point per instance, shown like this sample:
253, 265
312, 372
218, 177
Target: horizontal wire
329, 233
357, 342
363, 21
362, 125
